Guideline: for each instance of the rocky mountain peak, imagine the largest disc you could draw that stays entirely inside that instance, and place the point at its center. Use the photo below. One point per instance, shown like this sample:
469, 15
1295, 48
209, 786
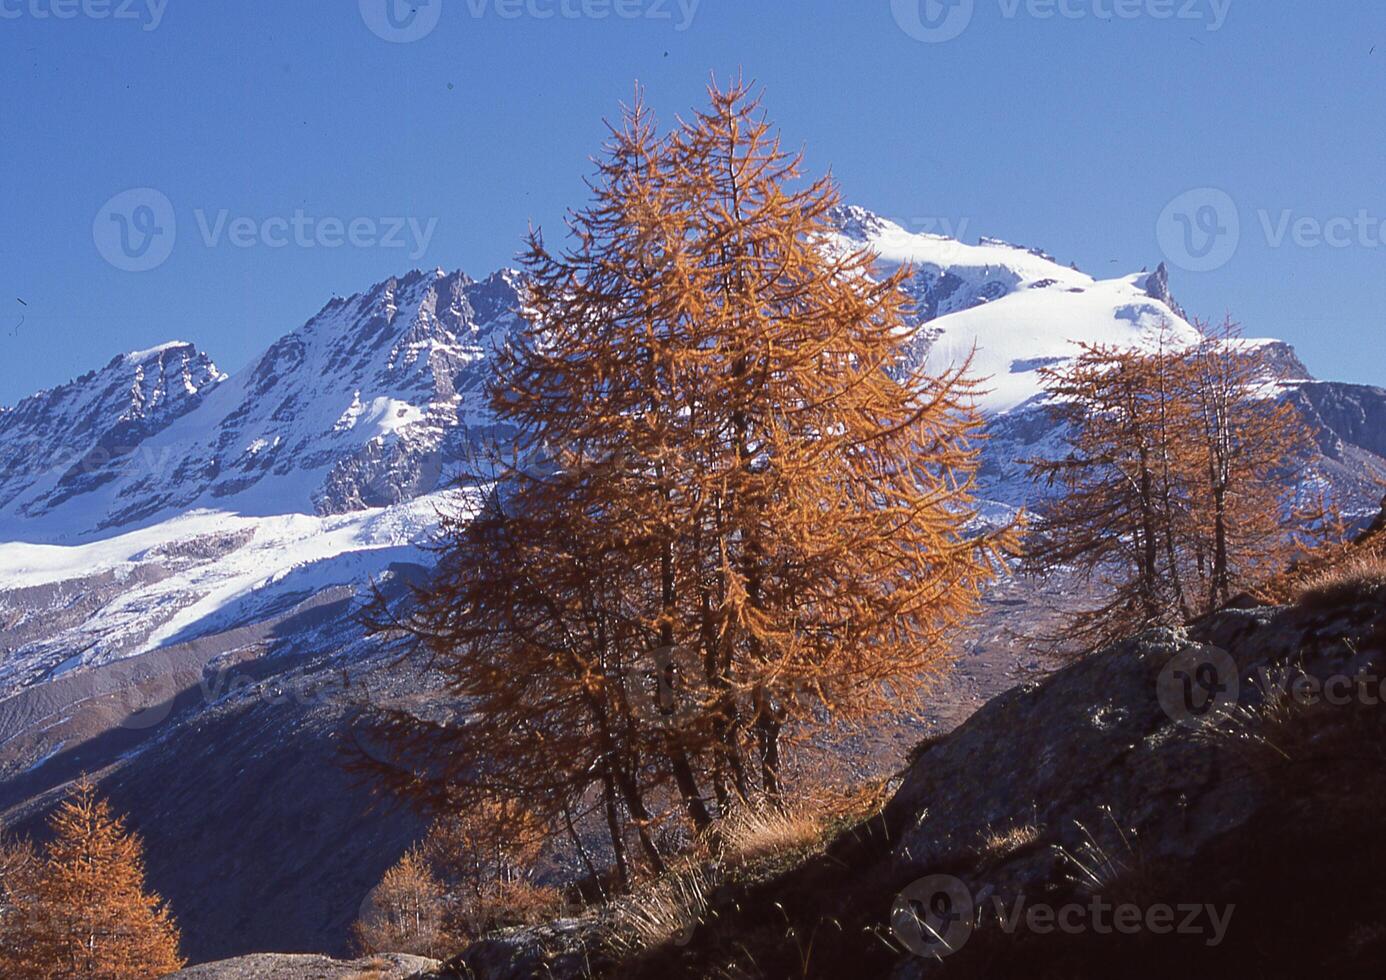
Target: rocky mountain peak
856, 223
1156, 286
70, 439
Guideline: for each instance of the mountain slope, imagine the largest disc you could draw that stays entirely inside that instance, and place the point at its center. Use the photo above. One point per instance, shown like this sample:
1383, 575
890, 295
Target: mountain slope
1096, 823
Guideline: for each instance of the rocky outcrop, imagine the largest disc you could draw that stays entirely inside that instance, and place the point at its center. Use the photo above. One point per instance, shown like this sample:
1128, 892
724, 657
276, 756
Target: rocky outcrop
1157, 287
1344, 415
567, 948
271, 966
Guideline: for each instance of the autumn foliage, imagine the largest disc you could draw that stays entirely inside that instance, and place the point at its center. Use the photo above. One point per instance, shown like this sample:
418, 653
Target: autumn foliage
81, 908
1182, 484
404, 912
472, 873
732, 511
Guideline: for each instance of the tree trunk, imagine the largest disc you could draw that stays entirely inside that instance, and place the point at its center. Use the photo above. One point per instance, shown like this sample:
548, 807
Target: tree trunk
613, 826
582, 853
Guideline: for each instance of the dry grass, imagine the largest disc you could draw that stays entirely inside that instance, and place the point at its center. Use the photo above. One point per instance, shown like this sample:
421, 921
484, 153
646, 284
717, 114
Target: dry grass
750, 835
1096, 867
665, 912
998, 844
1272, 727
1285, 729
746, 844
1356, 578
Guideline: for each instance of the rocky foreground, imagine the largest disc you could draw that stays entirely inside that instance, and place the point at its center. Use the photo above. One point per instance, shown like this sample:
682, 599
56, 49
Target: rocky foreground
1223, 785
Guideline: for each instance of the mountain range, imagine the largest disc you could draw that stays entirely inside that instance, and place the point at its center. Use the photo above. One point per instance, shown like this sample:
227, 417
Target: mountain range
183, 551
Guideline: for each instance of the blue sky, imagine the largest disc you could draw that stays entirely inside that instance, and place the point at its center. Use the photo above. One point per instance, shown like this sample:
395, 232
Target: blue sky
1068, 124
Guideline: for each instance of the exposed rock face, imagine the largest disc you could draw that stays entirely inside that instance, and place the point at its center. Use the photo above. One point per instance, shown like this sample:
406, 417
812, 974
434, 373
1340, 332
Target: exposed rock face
1283, 362
1091, 754
73, 439
1345, 415
1157, 287
563, 949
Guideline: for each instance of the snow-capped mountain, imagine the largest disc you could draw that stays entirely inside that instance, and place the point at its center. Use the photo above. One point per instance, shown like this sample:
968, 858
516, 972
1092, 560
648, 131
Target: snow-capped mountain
196, 501
182, 552
363, 406
69, 441
1012, 310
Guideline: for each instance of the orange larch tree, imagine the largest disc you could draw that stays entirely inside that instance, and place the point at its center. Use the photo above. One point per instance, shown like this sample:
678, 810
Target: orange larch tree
83, 910
1119, 510
404, 913
1253, 449
733, 510
1184, 481
802, 496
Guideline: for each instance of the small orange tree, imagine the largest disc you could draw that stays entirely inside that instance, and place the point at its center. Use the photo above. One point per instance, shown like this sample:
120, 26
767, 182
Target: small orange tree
1252, 450
1120, 510
472, 873
486, 859
404, 912
83, 909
